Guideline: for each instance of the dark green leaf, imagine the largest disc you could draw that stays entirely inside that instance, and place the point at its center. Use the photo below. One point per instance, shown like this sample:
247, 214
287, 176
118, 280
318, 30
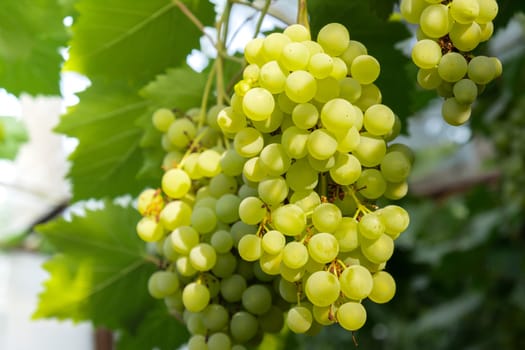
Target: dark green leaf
101, 269
108, 156
31, 34
13, 134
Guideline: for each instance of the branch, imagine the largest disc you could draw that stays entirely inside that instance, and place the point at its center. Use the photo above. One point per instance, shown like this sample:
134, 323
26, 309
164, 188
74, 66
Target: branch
187, 12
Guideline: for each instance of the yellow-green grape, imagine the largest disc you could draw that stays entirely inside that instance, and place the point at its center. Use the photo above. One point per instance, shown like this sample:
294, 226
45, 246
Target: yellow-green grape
203, 257
274, 159
365, 69
253, 51
305, 115
350, 89
354, 49
174, 214
300, 86
481, 69
322, 288
384, 287
337, 114
339, 70
371, 183
411, 10
370, 95
272, 77
487, 29
231, 121
295, 56
243, 326
452, 67
176, 183
313, 47
347, 139
321, 144
323, 247
378, 251
426, 54
351, 315
488, 9
250, 248
346, 234
356, 282
428, 79
295, 255
299, 319
183, 239
149, 229
378, 120
195, 297
465, 37
334, 38
258, 104
273, 45
455, 113
434, 20
248, 142
395, 167
297, 32
273, 242
465, 91
371, 150
208, 163
323, 315
289, 220
273, 190
162, 119
464, 11
346, 170
181, 132
320, 65
327, 89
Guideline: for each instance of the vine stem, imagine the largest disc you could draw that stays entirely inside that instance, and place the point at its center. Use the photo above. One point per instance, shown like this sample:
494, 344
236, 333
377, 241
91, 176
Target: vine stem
264, 11
187, 12
206, 95
302, 14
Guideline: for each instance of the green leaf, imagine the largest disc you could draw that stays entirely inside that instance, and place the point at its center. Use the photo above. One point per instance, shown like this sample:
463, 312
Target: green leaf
108, 155
13, 134
101, 269
157, 330
379, 36
31, 33
134, 40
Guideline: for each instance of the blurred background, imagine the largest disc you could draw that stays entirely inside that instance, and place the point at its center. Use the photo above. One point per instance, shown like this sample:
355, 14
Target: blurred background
460, 267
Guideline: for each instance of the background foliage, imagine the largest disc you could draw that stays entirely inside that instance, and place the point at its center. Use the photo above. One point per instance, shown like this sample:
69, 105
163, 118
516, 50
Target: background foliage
459, 268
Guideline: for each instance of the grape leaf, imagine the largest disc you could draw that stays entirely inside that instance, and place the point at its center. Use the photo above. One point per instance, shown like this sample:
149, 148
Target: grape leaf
100, 270
108, 155
158, 330
134, 40
13, 134
379, 36
31, 34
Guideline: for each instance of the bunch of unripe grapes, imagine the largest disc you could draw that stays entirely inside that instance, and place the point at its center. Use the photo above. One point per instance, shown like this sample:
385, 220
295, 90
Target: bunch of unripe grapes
448, 32
267, 213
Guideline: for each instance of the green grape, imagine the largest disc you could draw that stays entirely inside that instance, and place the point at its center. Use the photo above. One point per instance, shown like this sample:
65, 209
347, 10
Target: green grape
351, 316
299, 319
271, 124
370, 95
321, 165
272, 77
371, 226
434, 20
356, 282
227, 208
274, 159
149, 230
174, 302
454, 112
167, 249
273, 242
219, 341
195, 297
395, 219
162, 119
411, 10
230, 120
172, 159
497, 66
253, 170
232, 288
487, 29
395, 167
252, 210
273, 190
197, 342
248, 142
251, 73
465, 37
253, 51
323, 247
327, 89
346, 234
290, 274
334, 38
301, 177
250, 248
337, 114
371, 150
346, 169
260, 275
323, 315
428, 79
347, 140
246, 191
184, 266
305, 115
258, 104
174, 214
339, 71
313, 47
163, 283
191, 166
295, 255
481, 70
320, 65
257, 299
194, 322
272, 321
326, 217
243, 326
215, 317
181, 132
306, 200
371, 184
183, 239
322, 288
297, 32
365, 69
209, 163
426, 54
409, 154
464, 11
396, 190
221, 241
452, 67
273, 45
488, 9
204, 219
350, 89
379, 250
465, 91
383, 289
378, 120
176, 183
270, 264
288, 290
295, 56
222, 184
203, 257
300, 86
321, 144
240, 229
354, 49
295, 141
289, 219
225, 265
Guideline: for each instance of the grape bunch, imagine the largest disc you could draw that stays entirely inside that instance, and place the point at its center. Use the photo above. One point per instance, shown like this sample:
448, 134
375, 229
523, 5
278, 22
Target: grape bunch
447, 34
267, 214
